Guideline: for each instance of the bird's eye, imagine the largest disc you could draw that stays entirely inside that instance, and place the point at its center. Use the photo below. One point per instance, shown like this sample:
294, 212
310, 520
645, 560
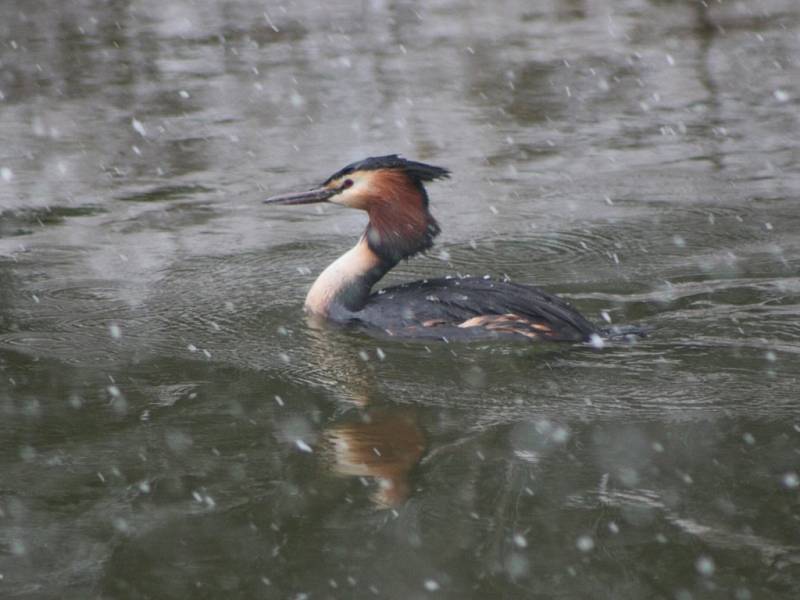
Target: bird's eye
347, 183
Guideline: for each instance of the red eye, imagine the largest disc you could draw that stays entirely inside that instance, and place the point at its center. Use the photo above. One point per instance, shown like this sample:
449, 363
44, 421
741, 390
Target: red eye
347, 183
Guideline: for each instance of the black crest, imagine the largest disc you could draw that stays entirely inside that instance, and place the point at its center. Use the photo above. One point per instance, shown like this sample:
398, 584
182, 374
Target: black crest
419, 171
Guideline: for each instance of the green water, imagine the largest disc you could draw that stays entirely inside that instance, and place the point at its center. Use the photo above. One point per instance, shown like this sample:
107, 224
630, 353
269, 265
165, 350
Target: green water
172, 427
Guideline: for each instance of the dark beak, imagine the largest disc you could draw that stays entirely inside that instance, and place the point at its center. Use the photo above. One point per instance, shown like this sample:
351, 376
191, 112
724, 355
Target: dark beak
309, 197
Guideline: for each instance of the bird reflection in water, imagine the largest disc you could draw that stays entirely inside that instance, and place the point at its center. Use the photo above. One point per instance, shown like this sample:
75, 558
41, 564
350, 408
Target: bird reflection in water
384, 445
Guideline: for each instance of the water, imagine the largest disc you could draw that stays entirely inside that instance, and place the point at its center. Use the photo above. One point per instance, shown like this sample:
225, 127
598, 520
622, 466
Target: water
172, 426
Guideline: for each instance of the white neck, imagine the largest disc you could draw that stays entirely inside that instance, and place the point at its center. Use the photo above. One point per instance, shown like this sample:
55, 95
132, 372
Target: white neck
347, 281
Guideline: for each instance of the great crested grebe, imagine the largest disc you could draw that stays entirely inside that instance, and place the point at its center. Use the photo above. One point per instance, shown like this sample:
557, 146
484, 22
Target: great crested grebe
390, 189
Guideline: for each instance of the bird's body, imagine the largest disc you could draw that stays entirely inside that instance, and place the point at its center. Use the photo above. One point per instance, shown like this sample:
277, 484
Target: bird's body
471, 308
390, 189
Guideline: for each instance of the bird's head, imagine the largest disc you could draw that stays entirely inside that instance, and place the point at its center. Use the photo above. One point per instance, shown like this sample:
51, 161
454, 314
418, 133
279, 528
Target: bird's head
391, 190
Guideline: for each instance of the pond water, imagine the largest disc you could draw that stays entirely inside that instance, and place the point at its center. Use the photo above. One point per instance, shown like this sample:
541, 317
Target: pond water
172, 427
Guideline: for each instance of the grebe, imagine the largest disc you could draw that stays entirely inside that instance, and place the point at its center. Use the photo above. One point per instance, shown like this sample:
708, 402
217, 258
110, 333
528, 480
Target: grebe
390, 189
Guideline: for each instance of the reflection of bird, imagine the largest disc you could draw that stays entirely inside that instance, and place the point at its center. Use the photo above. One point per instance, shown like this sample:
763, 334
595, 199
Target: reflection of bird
390, 189
386, 445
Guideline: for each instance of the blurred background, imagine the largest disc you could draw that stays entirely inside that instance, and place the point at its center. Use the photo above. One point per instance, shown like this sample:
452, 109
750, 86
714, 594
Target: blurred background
172, 427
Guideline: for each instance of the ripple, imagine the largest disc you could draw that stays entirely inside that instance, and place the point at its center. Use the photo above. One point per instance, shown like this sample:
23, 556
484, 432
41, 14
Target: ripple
24, 221
243, 310
709, 532
541, 249
165, 193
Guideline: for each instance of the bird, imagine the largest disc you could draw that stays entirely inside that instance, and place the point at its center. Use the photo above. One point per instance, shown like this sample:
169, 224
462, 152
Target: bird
391, 190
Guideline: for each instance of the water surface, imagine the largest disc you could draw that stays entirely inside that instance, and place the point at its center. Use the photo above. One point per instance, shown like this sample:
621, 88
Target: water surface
172, 426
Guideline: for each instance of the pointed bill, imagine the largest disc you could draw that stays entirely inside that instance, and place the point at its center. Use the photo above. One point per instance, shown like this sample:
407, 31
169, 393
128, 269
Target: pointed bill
309, 197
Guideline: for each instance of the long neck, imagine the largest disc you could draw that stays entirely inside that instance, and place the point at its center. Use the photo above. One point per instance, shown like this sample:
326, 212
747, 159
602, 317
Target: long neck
347, 282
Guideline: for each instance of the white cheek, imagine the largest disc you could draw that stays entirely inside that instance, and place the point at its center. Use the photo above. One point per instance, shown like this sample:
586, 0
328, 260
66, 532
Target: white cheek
351, 197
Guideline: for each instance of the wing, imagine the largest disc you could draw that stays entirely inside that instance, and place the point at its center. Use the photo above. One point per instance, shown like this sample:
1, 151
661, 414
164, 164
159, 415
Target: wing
472, 308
